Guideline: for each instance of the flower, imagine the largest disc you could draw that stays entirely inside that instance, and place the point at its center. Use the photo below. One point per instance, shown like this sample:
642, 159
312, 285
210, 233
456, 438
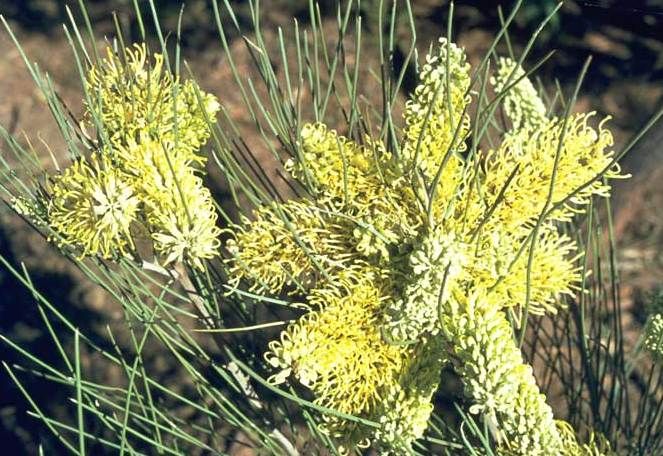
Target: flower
435, 266
584, 153
178, 208
91, 208
406, 407
502, 387
653, 336
134, 97
363, 183
287, 246
345, 364
554, 270
435, 117
411, 263
522, 103
148, 168
337, 351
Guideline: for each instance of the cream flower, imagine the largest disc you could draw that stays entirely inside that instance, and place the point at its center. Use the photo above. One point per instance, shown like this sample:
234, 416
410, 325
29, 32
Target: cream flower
91, 208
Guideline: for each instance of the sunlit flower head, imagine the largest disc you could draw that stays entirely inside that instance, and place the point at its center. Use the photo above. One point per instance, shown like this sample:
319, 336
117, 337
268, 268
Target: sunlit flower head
132, 95
501, 386
178, 208
436, 120
554, 271
521, 102
406, 408
435, 268
147, 168
362, 183
442, 240
585, 152
91, 208
287, 246
338, 352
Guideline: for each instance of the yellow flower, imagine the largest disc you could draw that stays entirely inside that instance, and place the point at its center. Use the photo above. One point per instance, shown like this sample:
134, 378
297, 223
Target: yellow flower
133, 96
150, 166
501, 386
91, 208
178, 208
361, 182
522, 103
585, 152
406, 291
553, 272
435, 268
337, 352
435, 117
290, 247
406, 407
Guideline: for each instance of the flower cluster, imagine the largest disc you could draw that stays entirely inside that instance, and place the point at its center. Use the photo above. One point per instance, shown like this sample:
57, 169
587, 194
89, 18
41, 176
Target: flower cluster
130, 97
435, 117
521, 103
148, 170
653, 337
411, 264
93, 206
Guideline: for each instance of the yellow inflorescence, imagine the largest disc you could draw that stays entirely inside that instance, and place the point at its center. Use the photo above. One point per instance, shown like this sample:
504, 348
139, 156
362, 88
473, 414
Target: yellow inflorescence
521, 103
584, 153
285, 244
148, 170
92, 206
501, 386
399, 284
553, 271
361, 182
435, 117
177, 206
337, 350
133, 97
653, 336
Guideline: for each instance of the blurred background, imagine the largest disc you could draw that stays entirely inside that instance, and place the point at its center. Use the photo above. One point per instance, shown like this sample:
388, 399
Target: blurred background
625, 38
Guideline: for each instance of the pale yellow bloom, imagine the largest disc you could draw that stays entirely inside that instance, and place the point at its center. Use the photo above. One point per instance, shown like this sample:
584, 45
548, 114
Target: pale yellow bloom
435, 117
501, 386
435, 268
427, 288
135, 96
289, 247
522, 103
338, 352
585, 152
554, 270
361, 182
178, 207
151, 166
91, 208
406, 407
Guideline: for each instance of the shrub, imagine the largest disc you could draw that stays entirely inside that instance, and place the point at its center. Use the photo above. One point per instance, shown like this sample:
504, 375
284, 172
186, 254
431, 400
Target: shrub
409, 252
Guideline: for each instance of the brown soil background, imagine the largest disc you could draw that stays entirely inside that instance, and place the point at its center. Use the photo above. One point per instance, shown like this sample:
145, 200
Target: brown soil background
625, 81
